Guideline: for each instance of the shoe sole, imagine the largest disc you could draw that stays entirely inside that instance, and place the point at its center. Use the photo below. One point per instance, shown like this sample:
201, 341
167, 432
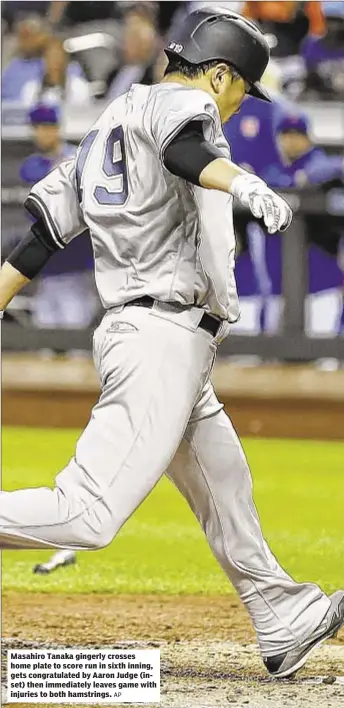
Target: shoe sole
292, 670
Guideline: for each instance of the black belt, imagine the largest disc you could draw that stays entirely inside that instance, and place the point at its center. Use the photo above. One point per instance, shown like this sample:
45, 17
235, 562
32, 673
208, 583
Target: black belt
208, 323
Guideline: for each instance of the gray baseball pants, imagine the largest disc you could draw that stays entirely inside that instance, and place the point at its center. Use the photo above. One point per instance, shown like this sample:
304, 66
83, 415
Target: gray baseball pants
157, 412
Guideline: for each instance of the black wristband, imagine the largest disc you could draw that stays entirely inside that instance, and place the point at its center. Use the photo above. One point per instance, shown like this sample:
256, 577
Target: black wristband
189, 153
33, 252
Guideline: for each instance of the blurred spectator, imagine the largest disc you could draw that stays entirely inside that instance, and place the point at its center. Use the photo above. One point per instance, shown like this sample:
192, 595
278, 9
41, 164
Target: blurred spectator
139, 51
288, 21
300, 163
42, 71
324, 56
45, 122
61, 80
162, 12
64, 296
144, 30
32, 38
12, 11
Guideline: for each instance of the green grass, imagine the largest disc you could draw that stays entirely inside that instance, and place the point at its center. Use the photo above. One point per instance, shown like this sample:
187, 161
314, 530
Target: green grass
299, 491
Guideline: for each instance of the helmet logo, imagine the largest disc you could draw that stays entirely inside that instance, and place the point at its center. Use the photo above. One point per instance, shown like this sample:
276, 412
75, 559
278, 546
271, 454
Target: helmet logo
176, 47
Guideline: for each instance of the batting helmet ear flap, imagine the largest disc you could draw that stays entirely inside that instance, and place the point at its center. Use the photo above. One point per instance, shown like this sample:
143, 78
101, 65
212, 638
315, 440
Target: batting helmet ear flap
214, 34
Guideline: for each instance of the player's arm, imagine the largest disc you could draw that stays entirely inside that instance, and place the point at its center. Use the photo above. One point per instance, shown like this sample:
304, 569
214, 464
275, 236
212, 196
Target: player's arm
25, 262
54, 204
11, 283
190, 156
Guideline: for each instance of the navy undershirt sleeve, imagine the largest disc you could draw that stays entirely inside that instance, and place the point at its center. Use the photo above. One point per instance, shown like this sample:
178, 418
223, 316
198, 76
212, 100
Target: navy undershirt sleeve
189, 153
34, 251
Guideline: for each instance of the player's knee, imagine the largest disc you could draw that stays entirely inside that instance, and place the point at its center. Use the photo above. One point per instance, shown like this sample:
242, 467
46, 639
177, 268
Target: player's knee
86, 524
100, 540
93, 537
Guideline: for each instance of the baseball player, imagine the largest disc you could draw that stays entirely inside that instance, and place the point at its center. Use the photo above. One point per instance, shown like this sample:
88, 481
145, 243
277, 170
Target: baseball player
154, 183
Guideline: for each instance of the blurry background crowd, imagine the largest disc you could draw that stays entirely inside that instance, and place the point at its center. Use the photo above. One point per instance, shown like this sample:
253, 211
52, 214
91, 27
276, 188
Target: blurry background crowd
63, 62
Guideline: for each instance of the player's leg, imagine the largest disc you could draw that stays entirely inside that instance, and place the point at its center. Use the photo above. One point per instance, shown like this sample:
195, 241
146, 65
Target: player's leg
60, 559
152, 372
211, 471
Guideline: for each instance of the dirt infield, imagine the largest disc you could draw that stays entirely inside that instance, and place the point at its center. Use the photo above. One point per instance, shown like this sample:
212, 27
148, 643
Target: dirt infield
208, 655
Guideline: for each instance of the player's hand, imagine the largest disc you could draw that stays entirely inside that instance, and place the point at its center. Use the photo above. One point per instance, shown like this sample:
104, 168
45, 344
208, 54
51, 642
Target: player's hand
263, 202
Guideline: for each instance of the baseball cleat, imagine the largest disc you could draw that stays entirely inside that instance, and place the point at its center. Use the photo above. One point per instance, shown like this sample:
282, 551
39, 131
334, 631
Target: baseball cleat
284, 665
61, 559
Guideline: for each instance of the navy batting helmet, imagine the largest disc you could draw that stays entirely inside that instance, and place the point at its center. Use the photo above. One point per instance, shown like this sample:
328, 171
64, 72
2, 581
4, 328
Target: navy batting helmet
214, 33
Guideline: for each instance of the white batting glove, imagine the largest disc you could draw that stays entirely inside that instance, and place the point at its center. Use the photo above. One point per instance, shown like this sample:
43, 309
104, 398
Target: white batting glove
262, 201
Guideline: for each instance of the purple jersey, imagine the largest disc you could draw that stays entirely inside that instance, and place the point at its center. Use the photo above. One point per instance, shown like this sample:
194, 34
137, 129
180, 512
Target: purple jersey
251, 134
38, 165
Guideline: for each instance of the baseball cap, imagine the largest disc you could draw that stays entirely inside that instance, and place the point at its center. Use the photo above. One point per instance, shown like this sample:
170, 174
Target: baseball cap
293, 123
44, 115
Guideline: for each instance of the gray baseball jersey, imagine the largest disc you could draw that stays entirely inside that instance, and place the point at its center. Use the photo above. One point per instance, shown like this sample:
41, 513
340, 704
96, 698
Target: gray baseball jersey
152, 232
155, 234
